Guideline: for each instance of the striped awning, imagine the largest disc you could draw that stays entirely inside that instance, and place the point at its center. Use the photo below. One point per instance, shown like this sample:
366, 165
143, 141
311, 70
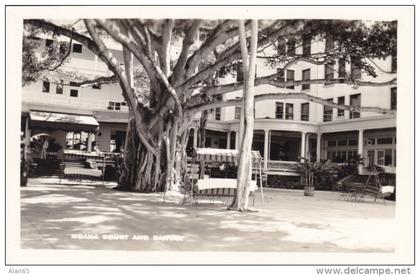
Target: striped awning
66, 122
222, 155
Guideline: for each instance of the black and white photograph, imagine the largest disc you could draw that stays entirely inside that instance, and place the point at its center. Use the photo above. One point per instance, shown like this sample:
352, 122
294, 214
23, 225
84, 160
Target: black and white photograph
211, 135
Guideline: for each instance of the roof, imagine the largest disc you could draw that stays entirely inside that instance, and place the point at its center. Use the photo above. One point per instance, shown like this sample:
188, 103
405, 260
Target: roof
111, 116
227, 155
67, 122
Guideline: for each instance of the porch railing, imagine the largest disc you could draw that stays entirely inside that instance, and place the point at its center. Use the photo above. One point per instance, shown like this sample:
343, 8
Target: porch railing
286, 166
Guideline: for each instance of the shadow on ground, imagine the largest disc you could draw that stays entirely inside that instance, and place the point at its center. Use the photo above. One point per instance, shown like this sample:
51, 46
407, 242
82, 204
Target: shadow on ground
93, 216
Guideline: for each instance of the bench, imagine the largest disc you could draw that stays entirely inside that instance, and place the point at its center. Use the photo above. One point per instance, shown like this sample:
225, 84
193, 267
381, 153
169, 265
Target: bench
77, 170
218, 187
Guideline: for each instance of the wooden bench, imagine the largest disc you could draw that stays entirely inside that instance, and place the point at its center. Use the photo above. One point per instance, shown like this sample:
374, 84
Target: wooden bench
77, 170
218, 187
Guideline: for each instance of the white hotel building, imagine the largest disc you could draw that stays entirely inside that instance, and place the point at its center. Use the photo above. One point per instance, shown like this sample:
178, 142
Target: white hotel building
284, 129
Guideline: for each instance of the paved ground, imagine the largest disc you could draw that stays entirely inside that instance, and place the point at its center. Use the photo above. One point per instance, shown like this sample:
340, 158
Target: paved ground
90, 215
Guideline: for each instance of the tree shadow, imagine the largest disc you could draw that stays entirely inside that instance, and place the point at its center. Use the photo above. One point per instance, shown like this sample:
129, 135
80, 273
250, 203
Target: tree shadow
52, 215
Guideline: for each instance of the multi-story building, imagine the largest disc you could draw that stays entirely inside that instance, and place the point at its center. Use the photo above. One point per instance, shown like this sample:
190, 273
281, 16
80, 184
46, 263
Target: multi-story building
285, 130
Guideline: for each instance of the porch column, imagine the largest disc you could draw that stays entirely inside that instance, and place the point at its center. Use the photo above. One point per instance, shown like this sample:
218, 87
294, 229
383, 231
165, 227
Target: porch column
318, 146
195, 138
302, 144
307, 149
237, 140
27, 132
360, 148
228, 140
266, 144
89, 142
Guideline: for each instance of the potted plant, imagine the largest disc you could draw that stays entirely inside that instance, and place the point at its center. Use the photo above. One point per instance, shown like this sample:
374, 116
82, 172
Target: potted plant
307, 171
313, 172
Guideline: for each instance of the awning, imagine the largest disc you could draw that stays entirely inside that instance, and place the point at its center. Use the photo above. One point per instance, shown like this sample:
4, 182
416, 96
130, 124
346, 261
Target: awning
111, 117
67, 122
223, 155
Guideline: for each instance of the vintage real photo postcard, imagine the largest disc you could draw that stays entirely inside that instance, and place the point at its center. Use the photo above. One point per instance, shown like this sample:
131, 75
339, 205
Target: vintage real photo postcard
209, 135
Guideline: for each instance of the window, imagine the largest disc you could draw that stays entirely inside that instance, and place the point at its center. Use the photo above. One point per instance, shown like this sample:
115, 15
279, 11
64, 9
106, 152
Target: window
48, 42
77, 48
342, 68
304, 113
393, 98
353, 142
218, 114
329, 155
394, 60
388, 157
279, 110
306, 75
291, 48
385, 141
76, 140
114, 106
371, 158
395, 158
281, 48
290, 77
74, 93
329, 71
355, 102
329, 43
222, 72
328, 112
332, 143
306, 46
342, 143
380, 157
72, 83
237, 112
356, 72
289, 111
59, 88
45, 86
281, 75
340, 101
96, 86
63, 48
202, 36
72, 139
239, 72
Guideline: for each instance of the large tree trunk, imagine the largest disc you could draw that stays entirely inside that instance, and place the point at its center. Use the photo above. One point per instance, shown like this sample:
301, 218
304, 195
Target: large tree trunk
145, 171
241, 200
141, 169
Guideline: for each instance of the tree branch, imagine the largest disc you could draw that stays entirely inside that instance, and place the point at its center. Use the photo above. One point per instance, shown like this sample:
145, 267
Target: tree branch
187, 42
285, 96
164, 47
100, 80
143, 58
223, 89
220, 35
